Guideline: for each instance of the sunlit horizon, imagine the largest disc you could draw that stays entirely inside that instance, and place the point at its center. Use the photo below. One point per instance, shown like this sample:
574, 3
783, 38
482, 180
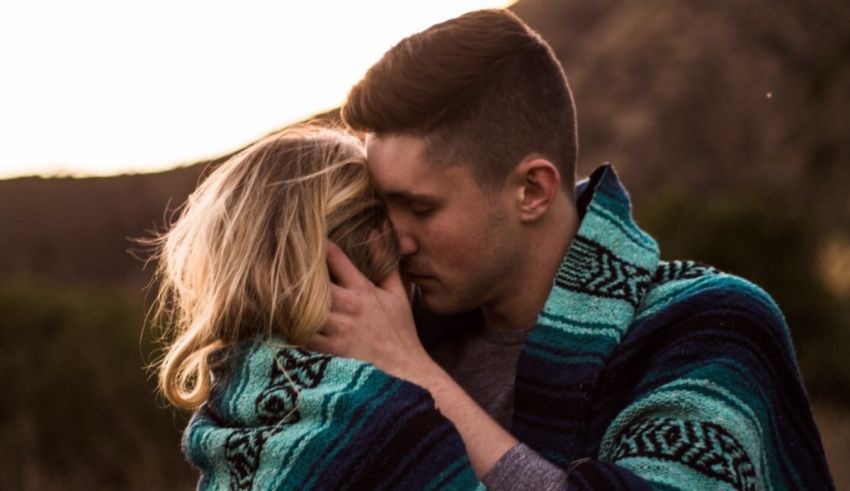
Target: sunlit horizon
97, 88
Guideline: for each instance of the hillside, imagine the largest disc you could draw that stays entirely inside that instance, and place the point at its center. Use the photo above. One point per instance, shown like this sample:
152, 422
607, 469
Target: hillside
711, 96
701, 97
77, 230
727, 120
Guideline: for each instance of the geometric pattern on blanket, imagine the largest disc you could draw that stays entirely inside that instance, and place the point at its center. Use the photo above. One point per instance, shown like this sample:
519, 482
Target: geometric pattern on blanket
681, 270
276, 406
292, 370
242, 451
603, 274
703, 446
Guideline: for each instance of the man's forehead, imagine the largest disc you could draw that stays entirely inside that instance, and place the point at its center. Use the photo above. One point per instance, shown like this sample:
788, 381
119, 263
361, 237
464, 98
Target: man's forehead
397, 162
399, 167
395, 182
396, 144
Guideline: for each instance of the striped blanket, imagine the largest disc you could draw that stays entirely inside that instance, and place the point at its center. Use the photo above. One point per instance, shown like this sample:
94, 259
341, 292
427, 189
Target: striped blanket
286, 418
641, 374
668, 375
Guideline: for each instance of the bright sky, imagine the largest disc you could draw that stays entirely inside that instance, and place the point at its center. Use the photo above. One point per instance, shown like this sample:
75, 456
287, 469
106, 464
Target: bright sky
104, 87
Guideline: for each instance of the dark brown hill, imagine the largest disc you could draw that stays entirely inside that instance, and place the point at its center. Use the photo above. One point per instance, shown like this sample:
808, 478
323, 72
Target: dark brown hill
704, 97
77, 230
80, 230
711, 96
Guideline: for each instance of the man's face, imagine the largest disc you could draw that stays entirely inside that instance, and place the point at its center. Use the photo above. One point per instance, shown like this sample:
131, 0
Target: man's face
458, 243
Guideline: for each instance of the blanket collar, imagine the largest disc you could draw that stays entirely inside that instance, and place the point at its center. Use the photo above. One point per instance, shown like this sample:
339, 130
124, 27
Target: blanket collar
610, 256
595, 295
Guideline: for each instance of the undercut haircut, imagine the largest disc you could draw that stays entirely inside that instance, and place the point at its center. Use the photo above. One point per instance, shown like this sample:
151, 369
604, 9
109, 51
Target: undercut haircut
482, 89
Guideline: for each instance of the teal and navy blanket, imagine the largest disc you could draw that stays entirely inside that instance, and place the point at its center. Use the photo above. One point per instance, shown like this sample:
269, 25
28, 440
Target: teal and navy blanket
640, 374
285, 418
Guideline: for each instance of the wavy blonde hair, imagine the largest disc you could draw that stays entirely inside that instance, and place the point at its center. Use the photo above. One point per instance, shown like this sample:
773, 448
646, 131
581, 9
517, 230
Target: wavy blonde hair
246, 257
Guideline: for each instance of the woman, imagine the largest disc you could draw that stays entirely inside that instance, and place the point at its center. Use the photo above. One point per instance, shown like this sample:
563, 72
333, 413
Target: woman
243, 285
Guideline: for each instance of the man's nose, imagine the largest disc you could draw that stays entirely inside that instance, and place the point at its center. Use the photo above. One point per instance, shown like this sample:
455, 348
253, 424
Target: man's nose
406, 245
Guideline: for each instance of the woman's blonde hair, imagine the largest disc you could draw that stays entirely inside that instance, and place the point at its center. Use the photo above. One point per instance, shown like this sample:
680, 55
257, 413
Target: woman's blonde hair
246, 257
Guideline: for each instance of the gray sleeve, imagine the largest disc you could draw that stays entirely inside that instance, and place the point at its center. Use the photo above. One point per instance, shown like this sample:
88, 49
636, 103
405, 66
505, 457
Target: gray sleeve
523, 468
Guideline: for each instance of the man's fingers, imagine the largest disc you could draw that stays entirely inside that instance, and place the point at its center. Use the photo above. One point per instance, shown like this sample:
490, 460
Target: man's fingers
335, 324
321, 343
318, 342
394, 284
344, 300
342, 270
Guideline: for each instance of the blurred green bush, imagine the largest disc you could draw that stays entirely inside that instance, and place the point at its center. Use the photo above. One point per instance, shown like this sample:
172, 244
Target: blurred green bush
80, 411
761, 237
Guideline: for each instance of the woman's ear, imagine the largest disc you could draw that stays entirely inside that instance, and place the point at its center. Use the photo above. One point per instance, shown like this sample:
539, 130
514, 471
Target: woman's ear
538, 182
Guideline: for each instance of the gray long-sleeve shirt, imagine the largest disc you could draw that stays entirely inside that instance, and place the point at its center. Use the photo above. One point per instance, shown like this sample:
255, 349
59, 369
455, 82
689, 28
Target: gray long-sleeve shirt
483, 361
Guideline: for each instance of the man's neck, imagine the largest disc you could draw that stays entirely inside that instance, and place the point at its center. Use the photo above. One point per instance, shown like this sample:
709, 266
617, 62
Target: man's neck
519, 305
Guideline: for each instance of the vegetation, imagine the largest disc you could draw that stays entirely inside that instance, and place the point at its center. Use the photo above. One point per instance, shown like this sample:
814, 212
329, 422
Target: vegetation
80, 411
757, 236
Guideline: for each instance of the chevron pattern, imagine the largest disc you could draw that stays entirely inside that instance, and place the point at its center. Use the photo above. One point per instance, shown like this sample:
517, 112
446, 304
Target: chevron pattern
243, 448
704, 446
603, 274
681, 270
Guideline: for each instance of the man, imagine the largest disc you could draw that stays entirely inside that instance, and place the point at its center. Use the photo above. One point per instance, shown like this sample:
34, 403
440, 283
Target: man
565, 353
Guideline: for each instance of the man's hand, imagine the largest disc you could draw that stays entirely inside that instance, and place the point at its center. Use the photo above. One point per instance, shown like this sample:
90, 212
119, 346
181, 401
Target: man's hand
371, 322
374, 323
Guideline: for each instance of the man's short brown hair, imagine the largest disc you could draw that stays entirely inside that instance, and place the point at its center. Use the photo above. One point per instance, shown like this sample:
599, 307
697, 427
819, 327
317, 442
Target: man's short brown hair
482, 89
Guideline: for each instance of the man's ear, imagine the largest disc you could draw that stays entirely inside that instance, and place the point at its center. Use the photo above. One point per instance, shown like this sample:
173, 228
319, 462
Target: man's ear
538, 183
